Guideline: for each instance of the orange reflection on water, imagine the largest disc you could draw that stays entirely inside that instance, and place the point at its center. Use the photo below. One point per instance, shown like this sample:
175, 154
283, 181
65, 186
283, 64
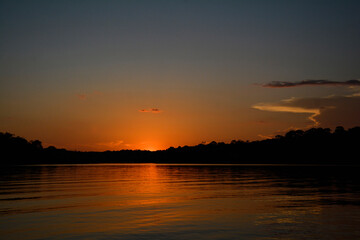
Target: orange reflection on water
125, 199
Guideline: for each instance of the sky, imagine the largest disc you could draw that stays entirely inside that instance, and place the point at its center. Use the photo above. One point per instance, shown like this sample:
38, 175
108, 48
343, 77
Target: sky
111, 75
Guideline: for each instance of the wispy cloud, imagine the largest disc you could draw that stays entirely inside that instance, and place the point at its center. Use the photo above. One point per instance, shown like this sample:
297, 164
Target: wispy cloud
83, 96
279, 84
290, 109
328, 111
151, 110
265, 136
114, 144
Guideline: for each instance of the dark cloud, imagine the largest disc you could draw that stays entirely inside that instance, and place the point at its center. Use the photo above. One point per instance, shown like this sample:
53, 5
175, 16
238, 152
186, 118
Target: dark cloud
279, 84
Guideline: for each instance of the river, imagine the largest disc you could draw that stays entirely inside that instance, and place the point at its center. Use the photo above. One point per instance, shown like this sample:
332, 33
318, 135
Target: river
174, 201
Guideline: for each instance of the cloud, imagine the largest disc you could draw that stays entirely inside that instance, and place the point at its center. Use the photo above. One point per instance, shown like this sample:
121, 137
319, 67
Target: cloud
324, 111
291, 109
83, 96
265, 136
151, 110
113, 144
279, 84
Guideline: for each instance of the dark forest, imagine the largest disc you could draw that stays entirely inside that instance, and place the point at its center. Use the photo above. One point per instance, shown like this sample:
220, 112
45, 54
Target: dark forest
313, 146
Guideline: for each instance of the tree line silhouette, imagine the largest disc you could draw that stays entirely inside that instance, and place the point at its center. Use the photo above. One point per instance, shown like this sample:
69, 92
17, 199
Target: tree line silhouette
315, 145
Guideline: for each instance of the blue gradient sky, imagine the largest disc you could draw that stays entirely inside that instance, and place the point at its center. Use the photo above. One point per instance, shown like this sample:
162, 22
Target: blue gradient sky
77, 74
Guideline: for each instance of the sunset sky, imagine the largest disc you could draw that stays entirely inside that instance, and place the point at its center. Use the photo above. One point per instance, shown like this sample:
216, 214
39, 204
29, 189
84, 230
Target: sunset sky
111, 75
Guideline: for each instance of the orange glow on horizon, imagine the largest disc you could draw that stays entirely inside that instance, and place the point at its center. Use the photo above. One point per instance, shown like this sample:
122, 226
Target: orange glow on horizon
151, 146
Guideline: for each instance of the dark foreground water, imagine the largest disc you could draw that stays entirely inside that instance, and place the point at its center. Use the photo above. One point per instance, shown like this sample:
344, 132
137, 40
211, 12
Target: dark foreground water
179, 202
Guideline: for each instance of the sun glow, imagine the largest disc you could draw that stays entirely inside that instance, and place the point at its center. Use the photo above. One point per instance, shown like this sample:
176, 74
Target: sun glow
150, 146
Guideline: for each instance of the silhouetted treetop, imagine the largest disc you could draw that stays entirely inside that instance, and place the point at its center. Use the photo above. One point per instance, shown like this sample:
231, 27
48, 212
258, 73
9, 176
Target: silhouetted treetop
315, 145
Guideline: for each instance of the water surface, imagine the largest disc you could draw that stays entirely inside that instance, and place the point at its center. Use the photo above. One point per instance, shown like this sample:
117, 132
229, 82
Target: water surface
158, 201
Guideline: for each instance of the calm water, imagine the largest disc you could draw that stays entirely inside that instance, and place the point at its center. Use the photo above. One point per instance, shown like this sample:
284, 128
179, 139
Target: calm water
179, 202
